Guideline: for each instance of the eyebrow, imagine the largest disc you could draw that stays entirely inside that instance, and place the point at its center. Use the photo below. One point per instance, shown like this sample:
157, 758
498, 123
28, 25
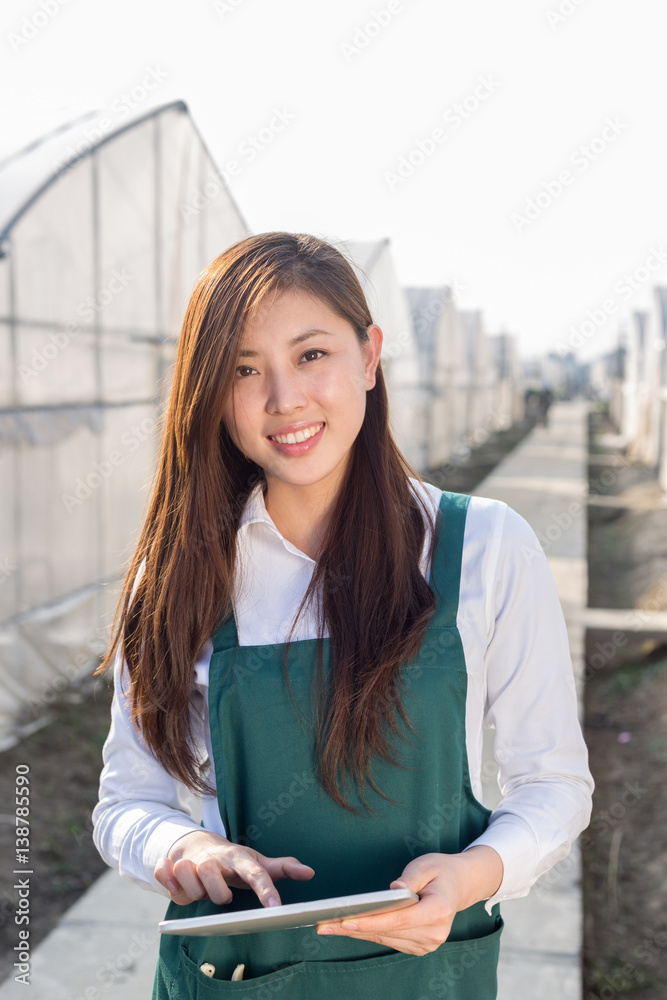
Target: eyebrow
292, 342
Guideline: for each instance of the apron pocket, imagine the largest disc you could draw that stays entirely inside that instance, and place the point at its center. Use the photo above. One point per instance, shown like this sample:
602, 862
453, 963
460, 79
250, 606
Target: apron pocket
458, 970
283, 984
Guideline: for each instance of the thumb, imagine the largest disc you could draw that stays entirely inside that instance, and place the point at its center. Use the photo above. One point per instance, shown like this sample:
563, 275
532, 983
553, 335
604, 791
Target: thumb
416, 875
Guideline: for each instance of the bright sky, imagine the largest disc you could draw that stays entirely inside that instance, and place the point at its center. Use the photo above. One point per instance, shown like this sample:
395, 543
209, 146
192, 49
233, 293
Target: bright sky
431, 123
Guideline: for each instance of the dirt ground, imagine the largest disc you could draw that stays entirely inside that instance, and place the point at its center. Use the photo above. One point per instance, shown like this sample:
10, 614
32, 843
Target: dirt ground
625, 847
469, 467
65, 760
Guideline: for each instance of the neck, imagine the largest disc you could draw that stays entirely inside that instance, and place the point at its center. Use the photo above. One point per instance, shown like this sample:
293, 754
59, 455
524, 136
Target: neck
300, 513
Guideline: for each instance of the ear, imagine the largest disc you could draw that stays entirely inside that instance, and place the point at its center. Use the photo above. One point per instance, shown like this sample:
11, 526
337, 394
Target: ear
373, 350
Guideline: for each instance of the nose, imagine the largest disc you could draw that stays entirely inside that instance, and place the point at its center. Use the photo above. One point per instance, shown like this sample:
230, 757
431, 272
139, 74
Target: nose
285, 392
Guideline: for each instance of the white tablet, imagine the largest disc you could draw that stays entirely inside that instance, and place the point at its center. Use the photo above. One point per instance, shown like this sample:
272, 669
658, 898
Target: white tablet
268, 918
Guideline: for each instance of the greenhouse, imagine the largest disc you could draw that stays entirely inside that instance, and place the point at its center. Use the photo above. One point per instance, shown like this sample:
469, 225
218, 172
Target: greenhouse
102, 235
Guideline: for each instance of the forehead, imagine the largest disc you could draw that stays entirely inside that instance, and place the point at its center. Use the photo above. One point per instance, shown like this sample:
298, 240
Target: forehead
290, 315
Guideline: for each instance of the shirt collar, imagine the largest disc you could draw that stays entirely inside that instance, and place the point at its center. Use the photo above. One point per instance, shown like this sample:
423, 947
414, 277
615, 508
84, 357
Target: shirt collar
255, 508
255, 511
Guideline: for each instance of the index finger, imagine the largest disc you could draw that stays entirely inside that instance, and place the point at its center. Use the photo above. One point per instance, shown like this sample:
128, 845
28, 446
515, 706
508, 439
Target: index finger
259, 880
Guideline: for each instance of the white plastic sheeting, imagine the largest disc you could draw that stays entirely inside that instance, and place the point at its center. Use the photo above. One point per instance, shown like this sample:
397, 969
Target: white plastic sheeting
100, 252
400, 351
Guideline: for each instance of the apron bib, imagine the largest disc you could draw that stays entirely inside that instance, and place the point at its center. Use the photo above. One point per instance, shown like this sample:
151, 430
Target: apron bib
270, 799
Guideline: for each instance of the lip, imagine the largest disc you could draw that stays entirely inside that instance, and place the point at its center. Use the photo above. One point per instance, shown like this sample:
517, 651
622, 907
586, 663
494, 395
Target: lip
293, 428
300, 447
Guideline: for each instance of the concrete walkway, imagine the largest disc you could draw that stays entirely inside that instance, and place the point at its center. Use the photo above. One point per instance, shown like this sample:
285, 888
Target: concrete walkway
545, 479
105, 947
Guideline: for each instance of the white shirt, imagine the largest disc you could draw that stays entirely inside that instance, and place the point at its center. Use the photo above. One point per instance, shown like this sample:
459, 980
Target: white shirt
520, 683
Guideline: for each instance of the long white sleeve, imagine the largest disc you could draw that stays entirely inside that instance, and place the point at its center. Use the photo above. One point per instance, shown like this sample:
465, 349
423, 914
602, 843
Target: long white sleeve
520, 682
532, 705
141, 810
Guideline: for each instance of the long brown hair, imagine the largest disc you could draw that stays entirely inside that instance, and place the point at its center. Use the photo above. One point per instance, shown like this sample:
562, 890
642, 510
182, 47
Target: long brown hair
370, 593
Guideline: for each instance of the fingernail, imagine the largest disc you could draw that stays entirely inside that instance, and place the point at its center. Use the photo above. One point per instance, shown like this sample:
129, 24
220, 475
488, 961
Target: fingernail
273, 901
172, 886
349, 926
324, 930
398, 885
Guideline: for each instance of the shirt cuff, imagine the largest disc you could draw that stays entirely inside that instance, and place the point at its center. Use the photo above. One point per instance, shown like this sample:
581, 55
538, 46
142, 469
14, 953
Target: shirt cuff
518, 852
158, 844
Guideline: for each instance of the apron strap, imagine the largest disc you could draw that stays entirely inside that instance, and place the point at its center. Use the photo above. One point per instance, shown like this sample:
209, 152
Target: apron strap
226, 636
445, 575
444, 578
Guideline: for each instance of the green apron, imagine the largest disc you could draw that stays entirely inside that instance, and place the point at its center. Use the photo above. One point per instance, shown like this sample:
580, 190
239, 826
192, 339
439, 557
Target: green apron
269, 799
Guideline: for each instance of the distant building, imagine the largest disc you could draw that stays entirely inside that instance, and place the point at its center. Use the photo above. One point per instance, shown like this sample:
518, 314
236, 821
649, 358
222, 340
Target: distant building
508, 398
638, 395
480, 416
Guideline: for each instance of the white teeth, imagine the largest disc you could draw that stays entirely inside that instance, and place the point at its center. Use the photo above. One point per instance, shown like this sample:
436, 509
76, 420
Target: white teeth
299, 436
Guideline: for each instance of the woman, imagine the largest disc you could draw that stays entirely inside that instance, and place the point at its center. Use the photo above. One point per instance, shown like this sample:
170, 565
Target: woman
340, 633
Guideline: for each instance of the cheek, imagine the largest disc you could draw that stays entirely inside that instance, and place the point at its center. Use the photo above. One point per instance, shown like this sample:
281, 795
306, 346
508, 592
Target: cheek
346, 402
237, 414
346, 389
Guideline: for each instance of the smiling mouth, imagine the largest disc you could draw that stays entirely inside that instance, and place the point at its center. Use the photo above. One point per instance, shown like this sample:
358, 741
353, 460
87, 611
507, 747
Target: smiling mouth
298, 436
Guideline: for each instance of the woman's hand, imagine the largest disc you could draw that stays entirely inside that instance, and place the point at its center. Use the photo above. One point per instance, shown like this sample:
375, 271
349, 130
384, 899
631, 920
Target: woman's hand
446, 883
203, 864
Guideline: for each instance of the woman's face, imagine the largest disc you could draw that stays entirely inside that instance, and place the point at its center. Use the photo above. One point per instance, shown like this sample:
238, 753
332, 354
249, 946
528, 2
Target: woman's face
302, 368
